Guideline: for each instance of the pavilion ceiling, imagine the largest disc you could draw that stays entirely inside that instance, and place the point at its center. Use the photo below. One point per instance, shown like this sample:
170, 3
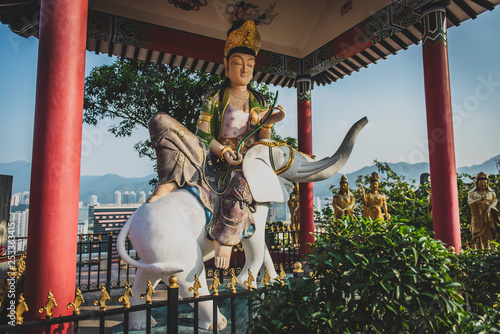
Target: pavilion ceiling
327, 39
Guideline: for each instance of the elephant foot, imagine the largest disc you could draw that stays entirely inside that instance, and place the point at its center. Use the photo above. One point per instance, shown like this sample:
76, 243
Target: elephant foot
208, 325
142, 326
222, 255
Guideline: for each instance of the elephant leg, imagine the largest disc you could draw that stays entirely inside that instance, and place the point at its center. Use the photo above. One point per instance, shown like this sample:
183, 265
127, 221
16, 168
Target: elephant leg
137, 320
255, 247
186, 280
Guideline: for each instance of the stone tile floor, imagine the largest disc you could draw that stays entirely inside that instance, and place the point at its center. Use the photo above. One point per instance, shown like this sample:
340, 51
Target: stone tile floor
91, 326
114, 324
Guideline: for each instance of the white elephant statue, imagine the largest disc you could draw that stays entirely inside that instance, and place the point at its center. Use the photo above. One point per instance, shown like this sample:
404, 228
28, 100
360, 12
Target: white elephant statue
169, 233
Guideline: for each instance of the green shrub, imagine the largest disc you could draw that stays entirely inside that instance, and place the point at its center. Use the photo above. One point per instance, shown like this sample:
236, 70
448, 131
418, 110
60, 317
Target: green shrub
479, 273
369, 277
485, 323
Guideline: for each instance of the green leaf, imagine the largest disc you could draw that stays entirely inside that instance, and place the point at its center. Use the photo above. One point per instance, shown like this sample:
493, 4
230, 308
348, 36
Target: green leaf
412, 288
409, 273
428, 294
391, 308
363, 257
317, 315
415, 255
381, 260
388, 275
387, 287
352, 259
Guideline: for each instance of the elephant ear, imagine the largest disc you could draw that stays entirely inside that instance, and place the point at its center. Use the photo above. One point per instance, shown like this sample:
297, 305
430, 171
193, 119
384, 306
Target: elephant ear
264, 184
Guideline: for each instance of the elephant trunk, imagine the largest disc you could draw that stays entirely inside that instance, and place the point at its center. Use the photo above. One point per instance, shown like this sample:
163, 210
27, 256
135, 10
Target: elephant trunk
312, 171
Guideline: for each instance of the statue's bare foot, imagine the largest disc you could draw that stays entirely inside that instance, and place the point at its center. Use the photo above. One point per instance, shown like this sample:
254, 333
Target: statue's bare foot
161, 190
222, 255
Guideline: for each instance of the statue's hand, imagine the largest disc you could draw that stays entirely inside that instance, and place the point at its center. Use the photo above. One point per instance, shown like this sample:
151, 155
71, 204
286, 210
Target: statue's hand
231, 159
276, 116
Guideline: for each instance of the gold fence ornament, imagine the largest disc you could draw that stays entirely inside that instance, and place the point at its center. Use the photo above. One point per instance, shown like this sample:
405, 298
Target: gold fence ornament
21, 266
298, 267
196, 286
20, 309
173, 282
215, 285
79, 300
127, 294
49, 305
250, 280
149, 292
102, 299
282, 275
266, 278
233, 282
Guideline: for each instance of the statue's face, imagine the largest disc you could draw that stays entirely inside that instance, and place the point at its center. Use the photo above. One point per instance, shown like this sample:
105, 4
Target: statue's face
240, 69
374, 185
482, 184
344, 186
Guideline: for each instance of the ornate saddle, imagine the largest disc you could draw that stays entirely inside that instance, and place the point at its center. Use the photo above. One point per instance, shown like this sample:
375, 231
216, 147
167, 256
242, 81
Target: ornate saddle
225, 193
220, 188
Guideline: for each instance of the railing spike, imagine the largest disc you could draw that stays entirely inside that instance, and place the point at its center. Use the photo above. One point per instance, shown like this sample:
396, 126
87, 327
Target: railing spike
102, 299
149, 292
196, 286
49, 305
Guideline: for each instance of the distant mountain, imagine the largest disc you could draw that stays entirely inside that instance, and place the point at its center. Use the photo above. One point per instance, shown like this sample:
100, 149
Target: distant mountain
21, 170
105, 186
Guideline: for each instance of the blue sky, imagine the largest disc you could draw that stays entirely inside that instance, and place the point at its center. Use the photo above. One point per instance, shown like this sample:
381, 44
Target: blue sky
390, 94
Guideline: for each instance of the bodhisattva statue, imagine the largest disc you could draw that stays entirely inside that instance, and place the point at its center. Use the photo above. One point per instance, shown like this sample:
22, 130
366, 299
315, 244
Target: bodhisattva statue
228, 115
482, 202
343, 201
293, 206
208, 200
374, 201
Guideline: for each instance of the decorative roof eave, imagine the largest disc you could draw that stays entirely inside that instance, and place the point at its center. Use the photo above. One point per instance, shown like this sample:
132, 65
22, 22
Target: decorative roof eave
457, 11
393, 28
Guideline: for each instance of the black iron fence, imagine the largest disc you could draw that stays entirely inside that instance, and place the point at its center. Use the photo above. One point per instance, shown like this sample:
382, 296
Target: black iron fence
98, 262
169, 308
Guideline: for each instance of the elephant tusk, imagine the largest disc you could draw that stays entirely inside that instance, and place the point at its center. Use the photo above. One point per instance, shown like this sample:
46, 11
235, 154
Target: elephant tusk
312, 171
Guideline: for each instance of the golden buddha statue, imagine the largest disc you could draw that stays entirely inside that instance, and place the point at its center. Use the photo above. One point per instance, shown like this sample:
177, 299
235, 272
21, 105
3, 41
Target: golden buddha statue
374, 201
343, 201
482, 202
293, 206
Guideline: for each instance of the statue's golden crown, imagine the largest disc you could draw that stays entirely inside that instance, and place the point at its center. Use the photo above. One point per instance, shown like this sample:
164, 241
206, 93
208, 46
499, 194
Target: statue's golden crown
374, 177
245, 36
343, 179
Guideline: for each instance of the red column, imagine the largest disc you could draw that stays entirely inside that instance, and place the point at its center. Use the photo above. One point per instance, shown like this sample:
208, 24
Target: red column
445, 210
306, 208
55, 171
